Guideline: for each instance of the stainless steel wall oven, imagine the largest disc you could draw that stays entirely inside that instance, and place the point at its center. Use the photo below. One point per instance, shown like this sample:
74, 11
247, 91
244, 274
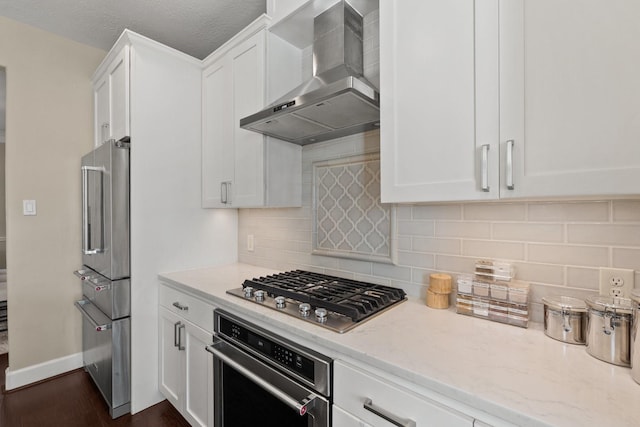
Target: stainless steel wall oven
266, 380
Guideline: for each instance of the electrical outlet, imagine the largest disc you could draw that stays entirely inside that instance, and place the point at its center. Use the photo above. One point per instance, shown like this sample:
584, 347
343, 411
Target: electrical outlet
250, 242
616, 282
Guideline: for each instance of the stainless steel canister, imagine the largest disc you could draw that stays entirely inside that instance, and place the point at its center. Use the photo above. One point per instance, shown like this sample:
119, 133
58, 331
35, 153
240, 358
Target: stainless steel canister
565, 319
609, 329
635, 336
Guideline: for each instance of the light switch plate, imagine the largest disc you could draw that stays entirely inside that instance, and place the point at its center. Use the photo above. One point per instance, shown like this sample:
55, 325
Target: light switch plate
28, 207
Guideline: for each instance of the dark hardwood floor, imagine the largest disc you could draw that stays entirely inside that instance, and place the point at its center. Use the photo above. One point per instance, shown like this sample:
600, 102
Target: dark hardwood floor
72, 400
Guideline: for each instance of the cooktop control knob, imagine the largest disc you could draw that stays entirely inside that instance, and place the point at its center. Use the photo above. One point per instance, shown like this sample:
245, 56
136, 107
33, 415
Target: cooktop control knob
304, 309
248, 292
259, 295
280, 302
321, 315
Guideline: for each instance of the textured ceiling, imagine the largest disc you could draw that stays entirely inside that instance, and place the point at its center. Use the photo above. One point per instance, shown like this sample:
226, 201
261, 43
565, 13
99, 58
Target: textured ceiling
196, 27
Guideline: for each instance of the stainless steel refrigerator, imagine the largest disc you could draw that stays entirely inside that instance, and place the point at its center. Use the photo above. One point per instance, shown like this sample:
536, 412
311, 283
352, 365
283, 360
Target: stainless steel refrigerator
105, 275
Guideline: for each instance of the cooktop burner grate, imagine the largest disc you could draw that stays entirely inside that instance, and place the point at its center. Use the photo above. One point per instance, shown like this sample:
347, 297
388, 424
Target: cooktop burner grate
352, 298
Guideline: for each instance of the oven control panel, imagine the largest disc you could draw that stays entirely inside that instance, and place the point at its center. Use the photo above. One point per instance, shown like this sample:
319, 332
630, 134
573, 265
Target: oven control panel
278, 352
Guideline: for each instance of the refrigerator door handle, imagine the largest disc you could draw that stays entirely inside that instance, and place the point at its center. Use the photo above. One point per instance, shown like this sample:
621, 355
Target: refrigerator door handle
100, 327
86, 249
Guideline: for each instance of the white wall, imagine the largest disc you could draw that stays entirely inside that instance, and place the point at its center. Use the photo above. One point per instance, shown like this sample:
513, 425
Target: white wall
169, 229
49, 127
557, 246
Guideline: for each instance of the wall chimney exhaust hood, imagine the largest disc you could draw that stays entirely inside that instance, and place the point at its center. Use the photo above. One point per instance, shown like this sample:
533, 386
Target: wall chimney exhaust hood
338, 101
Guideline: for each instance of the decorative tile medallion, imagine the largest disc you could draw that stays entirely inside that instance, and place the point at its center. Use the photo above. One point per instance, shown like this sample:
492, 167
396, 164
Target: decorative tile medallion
349, 220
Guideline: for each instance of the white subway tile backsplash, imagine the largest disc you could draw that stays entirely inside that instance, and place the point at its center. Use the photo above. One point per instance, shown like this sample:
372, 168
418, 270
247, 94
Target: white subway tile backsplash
404, 243
457, 264
495, 211
421, 276
415, 228
537, 291
604, 234
414, 259
354, 266
403, 212
626, 210
437, 212
591, 256
556, 246
569, 212
541, 273
626, 258
473, 230
583, 278
492, 249
392, 272
435, 245
528, 232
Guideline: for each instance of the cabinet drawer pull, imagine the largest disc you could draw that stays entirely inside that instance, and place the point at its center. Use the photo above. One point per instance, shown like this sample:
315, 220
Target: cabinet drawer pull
180, 306
485, 167
386, 415
510, 185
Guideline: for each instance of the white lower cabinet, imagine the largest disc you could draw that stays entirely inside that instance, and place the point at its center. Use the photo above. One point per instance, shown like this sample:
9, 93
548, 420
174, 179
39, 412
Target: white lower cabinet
344, 419
185, 367
369, 400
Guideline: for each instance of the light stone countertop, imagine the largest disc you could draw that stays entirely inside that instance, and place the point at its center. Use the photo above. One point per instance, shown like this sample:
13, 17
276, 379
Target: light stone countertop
519, 375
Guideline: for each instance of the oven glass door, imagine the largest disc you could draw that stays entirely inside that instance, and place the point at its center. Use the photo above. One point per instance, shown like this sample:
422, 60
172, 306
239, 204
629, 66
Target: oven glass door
248, 392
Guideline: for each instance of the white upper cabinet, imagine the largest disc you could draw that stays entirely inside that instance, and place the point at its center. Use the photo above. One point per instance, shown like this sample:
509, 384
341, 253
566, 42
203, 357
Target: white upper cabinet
111, 99
547, 109
570, 96
439, 100
241, 168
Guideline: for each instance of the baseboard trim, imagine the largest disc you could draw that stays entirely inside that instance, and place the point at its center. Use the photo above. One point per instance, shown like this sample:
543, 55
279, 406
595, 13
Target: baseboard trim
41, 371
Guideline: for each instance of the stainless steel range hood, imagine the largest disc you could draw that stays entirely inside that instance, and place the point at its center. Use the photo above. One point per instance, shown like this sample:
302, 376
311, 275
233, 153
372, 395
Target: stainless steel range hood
338, 100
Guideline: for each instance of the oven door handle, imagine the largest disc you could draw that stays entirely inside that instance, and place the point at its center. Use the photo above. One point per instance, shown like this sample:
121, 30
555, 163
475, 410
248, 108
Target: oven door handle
301, 406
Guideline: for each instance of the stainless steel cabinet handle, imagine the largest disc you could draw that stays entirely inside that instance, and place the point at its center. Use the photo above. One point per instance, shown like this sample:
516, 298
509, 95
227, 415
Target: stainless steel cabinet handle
386, 415
105, 131
180, 306
180, 346
176, 334
101, 288
86, 245
300, 406
509, 171
97, 326
223, 192
485, 167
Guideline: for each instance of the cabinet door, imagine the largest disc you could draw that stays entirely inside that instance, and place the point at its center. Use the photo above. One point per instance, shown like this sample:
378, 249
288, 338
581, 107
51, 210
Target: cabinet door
171, 363
217, 132
118, 76
439, 100
198, 401
248, 64
570, 96
101, 110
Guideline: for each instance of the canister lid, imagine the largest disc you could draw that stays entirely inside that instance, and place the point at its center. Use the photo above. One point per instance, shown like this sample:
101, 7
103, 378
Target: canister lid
619, 305
565, 303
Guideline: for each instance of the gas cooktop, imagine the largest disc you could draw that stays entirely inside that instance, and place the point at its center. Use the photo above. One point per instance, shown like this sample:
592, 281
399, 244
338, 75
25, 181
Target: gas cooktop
333, 302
